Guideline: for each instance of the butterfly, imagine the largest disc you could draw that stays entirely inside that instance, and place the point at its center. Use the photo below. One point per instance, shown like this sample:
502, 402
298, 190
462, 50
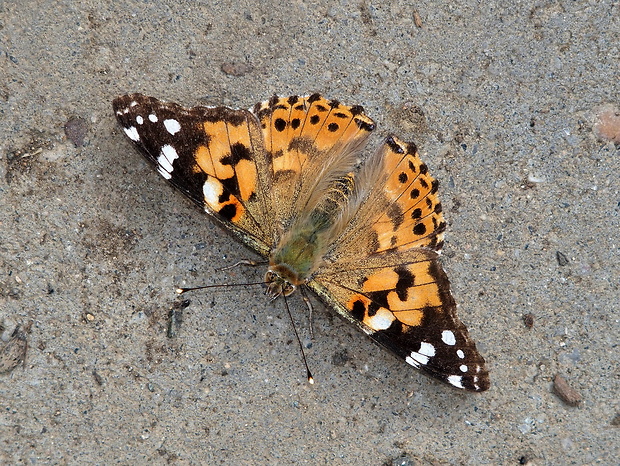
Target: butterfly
285, 179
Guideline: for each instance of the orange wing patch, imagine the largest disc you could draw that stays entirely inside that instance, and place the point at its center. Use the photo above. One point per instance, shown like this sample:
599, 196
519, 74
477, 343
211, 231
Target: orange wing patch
385, 292
413, 217
225, 161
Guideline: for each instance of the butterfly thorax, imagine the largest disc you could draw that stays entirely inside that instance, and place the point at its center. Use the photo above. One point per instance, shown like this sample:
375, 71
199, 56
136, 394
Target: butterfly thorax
293, 260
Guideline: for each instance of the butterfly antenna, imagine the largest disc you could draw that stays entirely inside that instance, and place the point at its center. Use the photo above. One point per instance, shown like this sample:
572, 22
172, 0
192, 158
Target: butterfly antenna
225, 285
301, 347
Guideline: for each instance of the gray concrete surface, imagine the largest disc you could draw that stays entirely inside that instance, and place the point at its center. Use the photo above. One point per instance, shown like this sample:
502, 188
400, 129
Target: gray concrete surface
502, 101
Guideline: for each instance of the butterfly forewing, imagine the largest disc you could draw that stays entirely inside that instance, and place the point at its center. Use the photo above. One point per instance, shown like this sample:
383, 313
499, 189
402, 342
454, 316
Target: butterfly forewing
307, 138
214, 156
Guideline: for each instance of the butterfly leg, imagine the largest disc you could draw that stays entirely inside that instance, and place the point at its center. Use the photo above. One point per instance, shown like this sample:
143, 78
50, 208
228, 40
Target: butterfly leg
304, 296
243, 262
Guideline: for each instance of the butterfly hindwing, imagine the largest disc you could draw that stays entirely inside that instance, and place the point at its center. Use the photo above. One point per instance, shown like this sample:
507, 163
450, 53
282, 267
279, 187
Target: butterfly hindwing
403, 301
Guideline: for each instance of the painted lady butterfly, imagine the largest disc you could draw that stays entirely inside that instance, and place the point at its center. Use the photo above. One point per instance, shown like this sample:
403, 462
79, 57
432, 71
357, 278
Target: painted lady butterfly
284, 179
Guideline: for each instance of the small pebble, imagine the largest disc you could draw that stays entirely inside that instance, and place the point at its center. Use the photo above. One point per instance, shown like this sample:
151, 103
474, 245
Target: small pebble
562, 259
237, 68
567, 394
75, 130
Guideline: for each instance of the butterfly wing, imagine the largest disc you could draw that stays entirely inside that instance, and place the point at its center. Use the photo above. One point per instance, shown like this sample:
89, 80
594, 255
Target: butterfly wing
391, 284
215, 156
310, 141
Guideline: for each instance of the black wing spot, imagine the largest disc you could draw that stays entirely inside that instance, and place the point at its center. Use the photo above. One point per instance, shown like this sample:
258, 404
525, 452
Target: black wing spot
228, 211
238, 152
419, 229
405, 282
416, 213
361, 124
279, 124
274, 100
356, 109
359, 310
393, 145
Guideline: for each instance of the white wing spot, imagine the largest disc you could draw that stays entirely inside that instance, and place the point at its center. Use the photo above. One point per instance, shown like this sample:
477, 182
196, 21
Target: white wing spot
381, 320
153, 118
139, 120
172, 126
421, 357
132, 133
427, 349
165, 160
126, 110
456, 380
448, 337
133, 103
212, 190
170, 153
460, 353
163, 172
463, 368
413, 362
164, 163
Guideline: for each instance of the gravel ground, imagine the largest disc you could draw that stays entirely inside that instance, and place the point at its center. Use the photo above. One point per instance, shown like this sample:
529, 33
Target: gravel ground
514, 109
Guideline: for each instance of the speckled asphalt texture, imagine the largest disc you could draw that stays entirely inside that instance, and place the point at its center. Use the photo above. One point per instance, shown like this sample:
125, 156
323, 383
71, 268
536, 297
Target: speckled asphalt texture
505, 104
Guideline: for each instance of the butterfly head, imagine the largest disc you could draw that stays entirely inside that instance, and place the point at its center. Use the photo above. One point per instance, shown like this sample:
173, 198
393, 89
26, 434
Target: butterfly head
280, 281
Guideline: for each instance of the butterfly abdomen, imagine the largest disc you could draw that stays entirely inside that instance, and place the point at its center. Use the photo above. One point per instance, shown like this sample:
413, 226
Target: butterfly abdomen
325, 214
